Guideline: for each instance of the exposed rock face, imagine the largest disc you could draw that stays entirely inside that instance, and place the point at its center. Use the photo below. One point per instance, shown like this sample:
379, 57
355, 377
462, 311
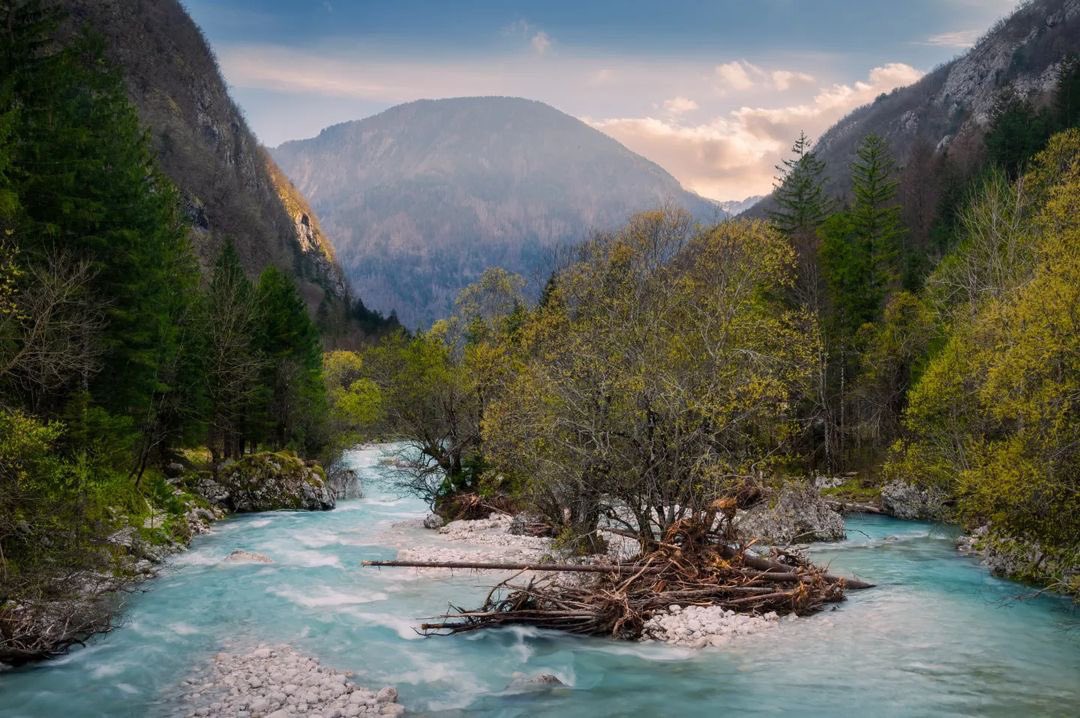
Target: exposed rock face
911, 502
421, 198
950, 107
272, 481
344, 482
229, 185
799, 515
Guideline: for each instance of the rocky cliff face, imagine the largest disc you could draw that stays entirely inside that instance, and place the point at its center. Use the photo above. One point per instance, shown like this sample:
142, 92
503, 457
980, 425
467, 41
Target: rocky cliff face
950, 107
228, 183
423, 197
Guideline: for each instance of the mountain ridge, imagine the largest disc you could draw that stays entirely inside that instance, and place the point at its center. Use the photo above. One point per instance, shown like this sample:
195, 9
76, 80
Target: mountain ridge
950, 107
451, 186
230, 186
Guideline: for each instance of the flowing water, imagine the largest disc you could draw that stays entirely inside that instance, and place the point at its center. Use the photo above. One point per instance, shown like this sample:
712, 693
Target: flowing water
938, 636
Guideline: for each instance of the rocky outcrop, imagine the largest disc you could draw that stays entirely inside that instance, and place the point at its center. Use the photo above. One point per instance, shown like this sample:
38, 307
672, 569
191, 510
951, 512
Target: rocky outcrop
230, 187
949, 108
797, 515
344, 482
1024, 560
268, 482
914, 503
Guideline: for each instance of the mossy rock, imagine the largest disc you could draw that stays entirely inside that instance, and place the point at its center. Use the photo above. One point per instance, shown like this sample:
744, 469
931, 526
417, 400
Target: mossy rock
269, 481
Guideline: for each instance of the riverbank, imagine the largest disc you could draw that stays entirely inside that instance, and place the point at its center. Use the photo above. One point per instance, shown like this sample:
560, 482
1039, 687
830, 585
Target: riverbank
71, 604
314, 597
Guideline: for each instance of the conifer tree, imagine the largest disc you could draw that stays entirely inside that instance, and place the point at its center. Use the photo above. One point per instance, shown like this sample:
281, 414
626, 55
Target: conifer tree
802, 207
233, 364
799, 192
292, 373
875, 221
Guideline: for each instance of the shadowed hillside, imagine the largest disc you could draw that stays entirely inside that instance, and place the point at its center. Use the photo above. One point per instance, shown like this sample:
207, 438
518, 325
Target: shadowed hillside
230, 186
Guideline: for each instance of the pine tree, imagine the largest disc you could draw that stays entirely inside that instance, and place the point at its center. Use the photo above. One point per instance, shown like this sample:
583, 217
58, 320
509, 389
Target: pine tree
233, 363
1067, 94
803, 206
289, 343
88, 192
1017, 131
799, 192
875, 218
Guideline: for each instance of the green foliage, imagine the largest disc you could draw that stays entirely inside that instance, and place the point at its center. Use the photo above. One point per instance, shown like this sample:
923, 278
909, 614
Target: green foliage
799, 193
860, 247
291, 350
660, 373
1017, 131
355, 400
995, 416
1067, 94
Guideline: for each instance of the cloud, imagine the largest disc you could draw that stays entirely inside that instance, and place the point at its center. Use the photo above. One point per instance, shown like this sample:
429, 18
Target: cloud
722, 145
733, 155
679, 105
541, 42
518, 27
960, 39
602, 76
737, 75
538, 39
785, 79
740, 76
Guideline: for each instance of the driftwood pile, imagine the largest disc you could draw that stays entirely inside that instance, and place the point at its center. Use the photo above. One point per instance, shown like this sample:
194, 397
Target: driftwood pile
692, 565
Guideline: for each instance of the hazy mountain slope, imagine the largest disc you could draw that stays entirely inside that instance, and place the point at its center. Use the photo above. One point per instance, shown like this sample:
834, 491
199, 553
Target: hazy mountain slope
422, 197
735, 207
950, 107
204, 145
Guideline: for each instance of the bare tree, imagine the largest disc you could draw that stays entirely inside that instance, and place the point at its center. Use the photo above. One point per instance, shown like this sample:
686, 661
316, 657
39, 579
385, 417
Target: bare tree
49, 335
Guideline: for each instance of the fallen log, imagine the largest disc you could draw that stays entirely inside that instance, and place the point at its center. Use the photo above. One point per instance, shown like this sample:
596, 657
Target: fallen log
768, 565
770, 570
852, 507
498, 566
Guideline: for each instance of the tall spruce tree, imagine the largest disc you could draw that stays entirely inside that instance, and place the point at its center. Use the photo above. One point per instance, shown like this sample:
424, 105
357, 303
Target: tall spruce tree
802, 204
292, 373
89, 193
1067, 94
875, 220
233, 363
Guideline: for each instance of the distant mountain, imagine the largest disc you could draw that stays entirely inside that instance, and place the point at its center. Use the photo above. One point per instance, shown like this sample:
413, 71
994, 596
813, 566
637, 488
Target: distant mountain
229, 184
735, 207
948, 109
423, 197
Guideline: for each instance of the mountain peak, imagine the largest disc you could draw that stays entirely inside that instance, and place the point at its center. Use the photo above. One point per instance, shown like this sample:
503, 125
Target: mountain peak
424, 196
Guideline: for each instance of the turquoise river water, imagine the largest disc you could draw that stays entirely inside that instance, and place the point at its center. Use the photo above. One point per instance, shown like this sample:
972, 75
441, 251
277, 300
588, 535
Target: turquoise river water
939, 636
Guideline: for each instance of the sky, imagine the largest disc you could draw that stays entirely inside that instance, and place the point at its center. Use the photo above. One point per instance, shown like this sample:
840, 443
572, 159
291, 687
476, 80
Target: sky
712, 91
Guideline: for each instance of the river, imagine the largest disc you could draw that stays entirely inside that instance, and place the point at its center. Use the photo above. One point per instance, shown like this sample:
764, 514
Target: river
939, 636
